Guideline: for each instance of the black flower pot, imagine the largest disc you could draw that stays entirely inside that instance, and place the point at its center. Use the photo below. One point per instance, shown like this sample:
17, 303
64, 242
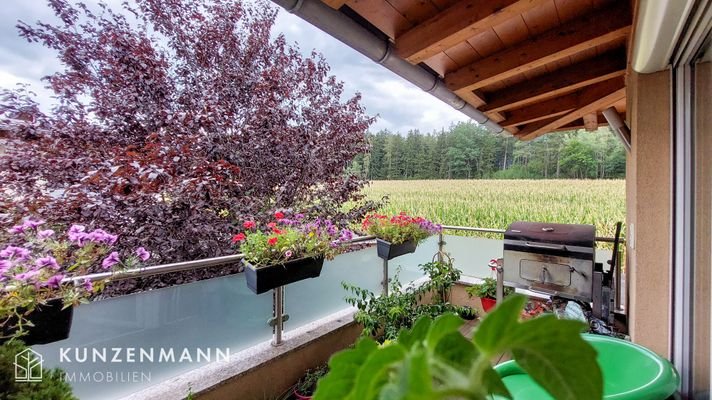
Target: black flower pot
51, 324
262, 279
388, 251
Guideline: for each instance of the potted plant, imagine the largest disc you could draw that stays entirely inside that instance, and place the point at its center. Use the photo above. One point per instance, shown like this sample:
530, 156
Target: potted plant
487, 292
305, 388
399, 234
36, 270
287, 250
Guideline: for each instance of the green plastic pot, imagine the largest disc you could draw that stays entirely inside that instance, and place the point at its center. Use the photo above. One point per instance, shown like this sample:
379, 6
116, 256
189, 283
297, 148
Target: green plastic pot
630, 372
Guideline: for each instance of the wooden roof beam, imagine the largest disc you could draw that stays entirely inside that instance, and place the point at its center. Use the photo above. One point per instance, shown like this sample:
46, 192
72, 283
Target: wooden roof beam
592, 103
564, 80
456, 24
564, 41
561, 105
335, 4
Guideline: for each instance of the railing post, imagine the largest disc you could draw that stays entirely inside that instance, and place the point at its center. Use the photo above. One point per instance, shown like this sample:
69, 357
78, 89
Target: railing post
278, 305
441, 246
500, 282
384, 283
618, 282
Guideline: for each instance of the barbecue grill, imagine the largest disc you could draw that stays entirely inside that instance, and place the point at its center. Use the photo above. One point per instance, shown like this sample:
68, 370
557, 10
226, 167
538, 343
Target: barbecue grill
556, 259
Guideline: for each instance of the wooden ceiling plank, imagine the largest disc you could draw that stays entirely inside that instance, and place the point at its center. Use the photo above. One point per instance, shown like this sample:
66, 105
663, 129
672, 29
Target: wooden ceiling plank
563, 104
561, 42
335, 4
592, 103
558, 82
456, 24
531, 116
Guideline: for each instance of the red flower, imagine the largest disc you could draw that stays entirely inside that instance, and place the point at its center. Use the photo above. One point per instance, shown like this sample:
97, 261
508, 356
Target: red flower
238, 238
279, 215
272, 241
249, 224
277, 231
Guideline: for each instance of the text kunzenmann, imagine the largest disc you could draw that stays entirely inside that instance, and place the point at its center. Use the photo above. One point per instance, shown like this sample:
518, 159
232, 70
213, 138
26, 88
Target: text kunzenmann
142, 355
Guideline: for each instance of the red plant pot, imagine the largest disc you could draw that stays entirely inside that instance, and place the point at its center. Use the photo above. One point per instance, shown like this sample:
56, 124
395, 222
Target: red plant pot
488, 304
301, 396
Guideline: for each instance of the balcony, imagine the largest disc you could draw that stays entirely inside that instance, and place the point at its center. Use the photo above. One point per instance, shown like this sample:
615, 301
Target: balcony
221, 334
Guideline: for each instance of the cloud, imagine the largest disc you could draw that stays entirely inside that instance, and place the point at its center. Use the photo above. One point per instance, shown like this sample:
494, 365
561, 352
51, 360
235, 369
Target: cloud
400, 106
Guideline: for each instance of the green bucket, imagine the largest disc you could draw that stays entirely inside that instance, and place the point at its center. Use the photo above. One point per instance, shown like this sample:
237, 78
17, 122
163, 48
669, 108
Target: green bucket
630, 372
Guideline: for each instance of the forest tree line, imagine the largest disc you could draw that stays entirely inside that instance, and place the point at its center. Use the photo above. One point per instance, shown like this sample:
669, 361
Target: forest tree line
469, 151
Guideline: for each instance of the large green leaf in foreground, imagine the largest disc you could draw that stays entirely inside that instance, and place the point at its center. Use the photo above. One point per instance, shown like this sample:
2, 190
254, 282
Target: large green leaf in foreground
434, 361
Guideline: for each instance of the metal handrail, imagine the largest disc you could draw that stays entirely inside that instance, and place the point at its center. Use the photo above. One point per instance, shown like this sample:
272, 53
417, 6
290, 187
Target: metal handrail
502, 231
173, 267
215, 261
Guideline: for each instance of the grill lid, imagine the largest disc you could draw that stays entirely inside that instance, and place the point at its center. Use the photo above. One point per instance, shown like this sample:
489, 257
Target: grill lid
544, 232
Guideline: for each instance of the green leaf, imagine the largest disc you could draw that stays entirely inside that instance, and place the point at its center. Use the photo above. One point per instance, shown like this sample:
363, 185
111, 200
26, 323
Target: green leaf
443, 325
337, 384
420, 329
493, 383
373, 374
499, 327
413, 380
456, 350
546, 348
555, 355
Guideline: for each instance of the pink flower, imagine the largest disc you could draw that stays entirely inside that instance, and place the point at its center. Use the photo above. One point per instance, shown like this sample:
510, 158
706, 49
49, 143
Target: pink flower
45, 233
33, 224
17, 229
111, 260
48, 261
26, 275
288, 254
249, 225
55, 280
20, 253
143, 254
238, 238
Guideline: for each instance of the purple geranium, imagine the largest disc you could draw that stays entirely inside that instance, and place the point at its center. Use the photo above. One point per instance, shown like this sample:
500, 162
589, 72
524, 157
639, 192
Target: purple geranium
48, 261
45, 233
143, 254
87, 285
25, 276
20, 253
33, 224
111, 260
55, 280
17, 229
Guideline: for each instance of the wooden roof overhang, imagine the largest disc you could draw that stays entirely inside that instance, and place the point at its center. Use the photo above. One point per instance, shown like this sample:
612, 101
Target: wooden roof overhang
533, 66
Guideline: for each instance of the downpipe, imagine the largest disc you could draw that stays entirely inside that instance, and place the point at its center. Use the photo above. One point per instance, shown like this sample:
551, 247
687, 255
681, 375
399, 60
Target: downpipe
380, 51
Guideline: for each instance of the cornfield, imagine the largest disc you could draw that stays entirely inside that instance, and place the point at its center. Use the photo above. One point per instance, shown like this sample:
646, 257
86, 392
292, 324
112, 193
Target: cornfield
497, 203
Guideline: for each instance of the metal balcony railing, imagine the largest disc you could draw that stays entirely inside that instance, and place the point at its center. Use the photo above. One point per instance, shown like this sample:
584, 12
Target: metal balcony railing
278, 318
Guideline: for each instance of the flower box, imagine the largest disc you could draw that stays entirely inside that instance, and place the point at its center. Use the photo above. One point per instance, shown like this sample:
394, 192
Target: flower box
388, 251
51, 324
262, 279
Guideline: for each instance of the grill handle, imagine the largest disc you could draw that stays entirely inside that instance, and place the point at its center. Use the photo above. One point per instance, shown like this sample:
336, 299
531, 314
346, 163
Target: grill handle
545, 246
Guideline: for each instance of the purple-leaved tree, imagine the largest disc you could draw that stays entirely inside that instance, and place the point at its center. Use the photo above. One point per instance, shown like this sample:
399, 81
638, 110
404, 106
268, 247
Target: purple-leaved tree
175, 120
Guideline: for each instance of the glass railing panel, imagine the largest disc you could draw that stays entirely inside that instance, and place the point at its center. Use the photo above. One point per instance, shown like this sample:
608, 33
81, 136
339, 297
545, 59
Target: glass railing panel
219, 313
311, 299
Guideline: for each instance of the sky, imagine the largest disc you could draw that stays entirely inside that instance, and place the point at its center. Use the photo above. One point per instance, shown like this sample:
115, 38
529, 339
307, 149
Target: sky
399, 105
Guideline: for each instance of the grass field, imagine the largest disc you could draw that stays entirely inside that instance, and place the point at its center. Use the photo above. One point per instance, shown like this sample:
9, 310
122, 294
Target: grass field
497, 203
